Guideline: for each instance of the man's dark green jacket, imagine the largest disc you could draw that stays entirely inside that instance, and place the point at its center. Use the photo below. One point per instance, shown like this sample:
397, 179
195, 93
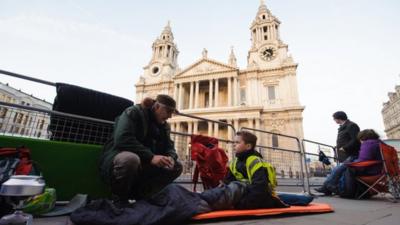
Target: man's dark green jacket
136, 130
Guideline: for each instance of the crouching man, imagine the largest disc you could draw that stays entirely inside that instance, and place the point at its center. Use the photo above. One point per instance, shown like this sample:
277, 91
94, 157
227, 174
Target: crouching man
139, 160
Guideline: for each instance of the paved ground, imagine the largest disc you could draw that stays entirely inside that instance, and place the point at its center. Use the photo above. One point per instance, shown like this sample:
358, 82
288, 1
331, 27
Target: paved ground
377, 211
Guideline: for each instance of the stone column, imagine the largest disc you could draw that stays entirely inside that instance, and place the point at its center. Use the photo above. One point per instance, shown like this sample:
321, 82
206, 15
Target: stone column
177, 129
191, 95
258, 134
176, 92
190, 127
196, 96
180, 102
270, 32
209, 129
190, 131
260, 34
216, 130
210, 94
229, 91
251, 98
196, 127
230, 130
236, 124
235, 91
230, 137
216, 92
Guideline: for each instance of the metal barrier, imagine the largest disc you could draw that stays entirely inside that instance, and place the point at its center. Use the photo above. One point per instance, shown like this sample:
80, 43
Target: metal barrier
284, 152
315, 169
27, 121
30, 122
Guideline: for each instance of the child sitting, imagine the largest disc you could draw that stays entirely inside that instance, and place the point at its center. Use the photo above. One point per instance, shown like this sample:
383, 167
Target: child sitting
249, 183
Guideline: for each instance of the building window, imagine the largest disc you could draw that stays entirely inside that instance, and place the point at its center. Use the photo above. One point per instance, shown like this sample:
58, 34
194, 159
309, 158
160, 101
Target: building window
265, 29
271, 93
160, 52
26, 119
275, 142
19, 118
3, 112
41, 124
243, 95
168, 49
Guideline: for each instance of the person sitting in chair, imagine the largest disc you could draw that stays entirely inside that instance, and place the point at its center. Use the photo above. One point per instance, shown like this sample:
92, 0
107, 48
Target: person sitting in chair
369, 150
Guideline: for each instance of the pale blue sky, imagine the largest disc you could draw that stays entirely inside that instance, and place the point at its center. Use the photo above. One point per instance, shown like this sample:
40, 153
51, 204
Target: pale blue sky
348, 51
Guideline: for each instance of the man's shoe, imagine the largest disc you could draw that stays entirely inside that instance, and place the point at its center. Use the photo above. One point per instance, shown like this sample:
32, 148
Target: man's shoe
323, 190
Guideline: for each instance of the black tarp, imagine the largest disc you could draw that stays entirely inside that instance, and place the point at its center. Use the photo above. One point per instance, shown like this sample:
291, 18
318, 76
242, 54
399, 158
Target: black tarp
172, 206
84, 102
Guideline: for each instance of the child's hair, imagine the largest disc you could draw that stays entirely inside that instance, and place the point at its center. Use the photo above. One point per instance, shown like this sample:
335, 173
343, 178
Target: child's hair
367, 134
248, 138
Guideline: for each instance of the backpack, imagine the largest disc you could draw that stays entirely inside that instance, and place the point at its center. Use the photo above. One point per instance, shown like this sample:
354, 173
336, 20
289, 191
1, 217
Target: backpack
16, 161
211, 161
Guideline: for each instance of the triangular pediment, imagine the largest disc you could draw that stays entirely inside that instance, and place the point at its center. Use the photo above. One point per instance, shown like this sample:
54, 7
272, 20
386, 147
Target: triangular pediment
204, 66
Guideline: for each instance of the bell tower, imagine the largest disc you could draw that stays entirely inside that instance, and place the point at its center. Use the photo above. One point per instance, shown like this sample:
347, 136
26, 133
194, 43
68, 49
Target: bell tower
267, 49
163, 63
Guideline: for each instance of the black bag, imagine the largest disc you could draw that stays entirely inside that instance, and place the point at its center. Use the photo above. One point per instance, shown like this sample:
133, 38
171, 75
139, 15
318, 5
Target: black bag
349, 187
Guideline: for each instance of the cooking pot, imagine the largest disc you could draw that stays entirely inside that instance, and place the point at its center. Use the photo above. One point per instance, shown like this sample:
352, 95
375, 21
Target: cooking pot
22, 185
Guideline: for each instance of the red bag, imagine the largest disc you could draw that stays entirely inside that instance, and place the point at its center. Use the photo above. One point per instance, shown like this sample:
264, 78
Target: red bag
211, 161
15, 161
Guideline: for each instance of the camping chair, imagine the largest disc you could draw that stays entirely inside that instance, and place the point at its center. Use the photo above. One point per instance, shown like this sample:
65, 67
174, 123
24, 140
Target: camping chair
388, 181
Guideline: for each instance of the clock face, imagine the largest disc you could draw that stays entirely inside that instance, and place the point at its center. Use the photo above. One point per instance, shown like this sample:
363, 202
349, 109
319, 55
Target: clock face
155, 70
267, 53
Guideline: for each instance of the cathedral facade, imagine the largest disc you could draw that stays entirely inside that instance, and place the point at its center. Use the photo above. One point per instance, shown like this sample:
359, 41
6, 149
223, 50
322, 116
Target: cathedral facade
261, 96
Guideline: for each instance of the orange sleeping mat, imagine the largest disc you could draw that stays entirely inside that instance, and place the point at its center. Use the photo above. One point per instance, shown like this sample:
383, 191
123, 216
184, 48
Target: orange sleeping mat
311, 208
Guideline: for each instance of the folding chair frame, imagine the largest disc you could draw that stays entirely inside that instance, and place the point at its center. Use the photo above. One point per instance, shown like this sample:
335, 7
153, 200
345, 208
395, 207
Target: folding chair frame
391, 181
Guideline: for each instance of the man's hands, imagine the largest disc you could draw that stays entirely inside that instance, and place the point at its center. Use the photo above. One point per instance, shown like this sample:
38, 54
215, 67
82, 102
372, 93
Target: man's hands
162, 161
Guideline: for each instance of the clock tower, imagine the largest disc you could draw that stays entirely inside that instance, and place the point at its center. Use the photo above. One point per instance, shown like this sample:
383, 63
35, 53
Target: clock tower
163, 63
267, 49
158, 75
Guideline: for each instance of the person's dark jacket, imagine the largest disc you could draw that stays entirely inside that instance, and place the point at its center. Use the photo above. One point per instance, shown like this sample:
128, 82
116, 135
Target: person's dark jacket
136, 130
347, 139
257, 194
